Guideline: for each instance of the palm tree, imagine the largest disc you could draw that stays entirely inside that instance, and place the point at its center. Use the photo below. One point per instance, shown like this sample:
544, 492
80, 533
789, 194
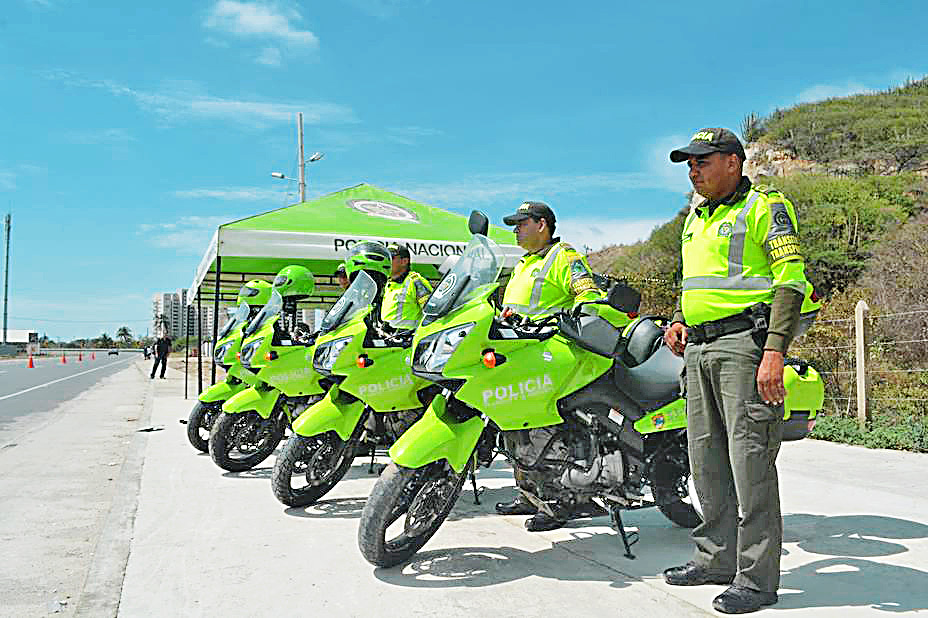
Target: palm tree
125, 334
104, 341
162, 322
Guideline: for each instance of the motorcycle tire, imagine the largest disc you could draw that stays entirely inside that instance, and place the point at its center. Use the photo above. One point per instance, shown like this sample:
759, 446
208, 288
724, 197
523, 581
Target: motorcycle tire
296, 455
397, 491
200, 421
233, 431
669, 482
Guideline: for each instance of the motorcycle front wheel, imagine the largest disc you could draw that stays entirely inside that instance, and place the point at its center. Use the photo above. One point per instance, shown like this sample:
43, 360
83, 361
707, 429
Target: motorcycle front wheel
241, 441
404, 510
200, 423
309, 467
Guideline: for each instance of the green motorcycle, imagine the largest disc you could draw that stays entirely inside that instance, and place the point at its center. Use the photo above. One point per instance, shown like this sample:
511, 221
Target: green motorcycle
253, 421
608, 400
373, 399
251, 298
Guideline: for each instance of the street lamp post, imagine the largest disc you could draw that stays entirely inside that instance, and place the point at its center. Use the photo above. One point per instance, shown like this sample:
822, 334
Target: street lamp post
302, 163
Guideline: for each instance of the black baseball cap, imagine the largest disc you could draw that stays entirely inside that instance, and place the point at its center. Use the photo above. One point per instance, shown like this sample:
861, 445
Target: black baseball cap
537, 210
399, 251
707, 141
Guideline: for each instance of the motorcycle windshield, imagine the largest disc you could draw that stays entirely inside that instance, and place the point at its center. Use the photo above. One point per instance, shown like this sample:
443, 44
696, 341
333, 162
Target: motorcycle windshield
236, 319
356, 298
478, 267
269, 311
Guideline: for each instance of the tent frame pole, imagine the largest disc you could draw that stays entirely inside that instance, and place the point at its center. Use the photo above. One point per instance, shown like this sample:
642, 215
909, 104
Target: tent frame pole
215, 317
199, 344
186, 310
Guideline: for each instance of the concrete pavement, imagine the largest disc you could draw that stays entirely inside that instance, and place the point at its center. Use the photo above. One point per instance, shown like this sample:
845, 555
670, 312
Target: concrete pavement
99, 518
207, 542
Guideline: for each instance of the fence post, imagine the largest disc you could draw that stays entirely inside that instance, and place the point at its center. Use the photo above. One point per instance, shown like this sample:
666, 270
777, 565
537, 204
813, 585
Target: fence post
862, 340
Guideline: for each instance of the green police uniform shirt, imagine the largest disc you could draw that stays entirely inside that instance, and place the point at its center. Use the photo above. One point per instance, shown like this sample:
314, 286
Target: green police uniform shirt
738, 252
556, 277
403, 300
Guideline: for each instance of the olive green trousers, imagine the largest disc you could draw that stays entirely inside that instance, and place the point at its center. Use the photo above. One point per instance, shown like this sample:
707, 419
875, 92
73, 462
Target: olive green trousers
734, 438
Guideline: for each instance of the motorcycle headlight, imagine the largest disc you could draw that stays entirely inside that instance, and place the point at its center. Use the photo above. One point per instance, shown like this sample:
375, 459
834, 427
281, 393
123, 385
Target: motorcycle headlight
221, 352
248, 352
434, 351
327, 354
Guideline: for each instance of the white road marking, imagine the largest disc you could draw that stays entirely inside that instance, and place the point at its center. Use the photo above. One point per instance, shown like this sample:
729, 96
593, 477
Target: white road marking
58, 380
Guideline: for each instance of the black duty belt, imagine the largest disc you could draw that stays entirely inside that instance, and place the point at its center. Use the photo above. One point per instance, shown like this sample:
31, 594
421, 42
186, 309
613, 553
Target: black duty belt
754, 318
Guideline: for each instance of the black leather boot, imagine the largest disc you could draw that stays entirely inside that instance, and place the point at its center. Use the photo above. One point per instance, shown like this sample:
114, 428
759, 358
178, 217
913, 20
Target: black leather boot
516, 507
742, 600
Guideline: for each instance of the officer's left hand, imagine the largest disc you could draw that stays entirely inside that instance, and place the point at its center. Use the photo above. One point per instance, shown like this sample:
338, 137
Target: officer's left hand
770, 378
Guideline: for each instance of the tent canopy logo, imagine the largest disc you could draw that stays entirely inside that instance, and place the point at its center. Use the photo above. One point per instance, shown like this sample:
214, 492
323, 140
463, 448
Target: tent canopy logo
384, 210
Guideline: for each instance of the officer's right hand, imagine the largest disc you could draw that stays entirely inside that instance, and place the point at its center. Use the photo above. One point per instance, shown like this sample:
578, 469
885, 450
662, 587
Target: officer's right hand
675, 338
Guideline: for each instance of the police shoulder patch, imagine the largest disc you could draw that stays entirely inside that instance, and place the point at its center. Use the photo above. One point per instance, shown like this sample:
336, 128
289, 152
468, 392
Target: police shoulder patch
780, 221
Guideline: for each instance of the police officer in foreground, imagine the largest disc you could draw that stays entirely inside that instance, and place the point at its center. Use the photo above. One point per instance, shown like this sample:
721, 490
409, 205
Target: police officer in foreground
743, 286
550, 276
405, 293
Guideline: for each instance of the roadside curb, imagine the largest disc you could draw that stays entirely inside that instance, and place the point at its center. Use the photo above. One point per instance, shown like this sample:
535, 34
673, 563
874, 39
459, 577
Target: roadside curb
102, 588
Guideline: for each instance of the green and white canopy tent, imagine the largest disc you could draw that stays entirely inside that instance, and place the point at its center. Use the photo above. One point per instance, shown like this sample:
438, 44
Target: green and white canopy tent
319, 233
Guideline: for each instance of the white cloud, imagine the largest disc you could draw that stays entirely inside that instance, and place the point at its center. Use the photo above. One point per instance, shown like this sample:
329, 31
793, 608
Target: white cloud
598, 233
186, 235
9, 175
118, 137
820, 92
489, 188
184, 100
245, 194
411, 135
259, 20
269, 56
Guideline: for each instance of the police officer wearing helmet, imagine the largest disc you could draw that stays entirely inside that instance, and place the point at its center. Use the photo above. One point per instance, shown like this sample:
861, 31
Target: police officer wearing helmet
743, 287
549, 277
405, 293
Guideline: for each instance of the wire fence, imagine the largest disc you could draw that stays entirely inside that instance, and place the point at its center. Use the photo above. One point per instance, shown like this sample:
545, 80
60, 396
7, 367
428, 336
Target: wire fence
896, 367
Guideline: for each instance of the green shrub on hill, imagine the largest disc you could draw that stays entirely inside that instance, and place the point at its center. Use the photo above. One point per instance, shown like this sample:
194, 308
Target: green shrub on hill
890, 125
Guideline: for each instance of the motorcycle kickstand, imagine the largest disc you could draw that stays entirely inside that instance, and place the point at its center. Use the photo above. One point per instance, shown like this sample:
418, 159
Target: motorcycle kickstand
370, 467
477, 492
628, 538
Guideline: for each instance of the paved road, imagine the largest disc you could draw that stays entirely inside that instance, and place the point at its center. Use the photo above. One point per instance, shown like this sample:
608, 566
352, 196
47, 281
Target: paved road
25, 392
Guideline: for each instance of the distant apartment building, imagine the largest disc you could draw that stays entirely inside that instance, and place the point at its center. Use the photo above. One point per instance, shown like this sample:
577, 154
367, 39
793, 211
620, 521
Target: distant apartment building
170, 315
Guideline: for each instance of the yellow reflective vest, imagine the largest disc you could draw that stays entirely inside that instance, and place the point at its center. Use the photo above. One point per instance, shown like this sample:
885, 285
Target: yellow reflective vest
556, 277
403, 300
738, 254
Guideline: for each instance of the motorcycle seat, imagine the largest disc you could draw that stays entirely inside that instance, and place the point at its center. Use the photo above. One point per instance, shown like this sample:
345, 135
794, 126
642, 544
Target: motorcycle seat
592, 333
653, 383
645, 338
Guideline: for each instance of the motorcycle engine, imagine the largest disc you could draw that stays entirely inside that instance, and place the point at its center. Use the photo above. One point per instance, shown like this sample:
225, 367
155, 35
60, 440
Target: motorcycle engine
606, 471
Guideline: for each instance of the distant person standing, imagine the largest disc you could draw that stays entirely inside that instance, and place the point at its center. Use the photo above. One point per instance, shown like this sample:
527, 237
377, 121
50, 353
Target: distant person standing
162, 349
341, 277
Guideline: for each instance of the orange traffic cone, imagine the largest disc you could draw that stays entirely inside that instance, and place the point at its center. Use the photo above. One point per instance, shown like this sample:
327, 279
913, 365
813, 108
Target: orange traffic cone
64, 359
80, 356
31, 364
93, 356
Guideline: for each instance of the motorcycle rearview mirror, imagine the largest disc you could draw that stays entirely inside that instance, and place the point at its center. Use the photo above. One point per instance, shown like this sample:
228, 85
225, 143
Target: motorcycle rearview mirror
478, 223
624, 298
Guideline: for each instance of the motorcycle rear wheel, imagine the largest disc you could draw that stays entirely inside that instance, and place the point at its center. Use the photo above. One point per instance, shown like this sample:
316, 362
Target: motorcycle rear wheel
671, 491
423, 496
200, 422
303, 457
241, 441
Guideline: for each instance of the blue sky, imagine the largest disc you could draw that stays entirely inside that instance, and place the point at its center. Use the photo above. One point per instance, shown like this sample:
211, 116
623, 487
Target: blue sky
131, 130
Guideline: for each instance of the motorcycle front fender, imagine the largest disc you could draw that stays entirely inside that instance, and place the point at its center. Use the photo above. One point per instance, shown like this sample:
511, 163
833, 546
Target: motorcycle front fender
252, 399
437, 436
221, 391
331, 413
